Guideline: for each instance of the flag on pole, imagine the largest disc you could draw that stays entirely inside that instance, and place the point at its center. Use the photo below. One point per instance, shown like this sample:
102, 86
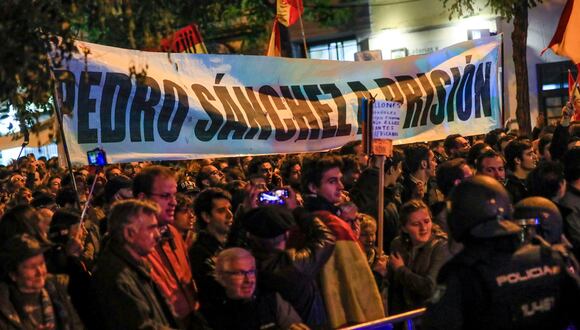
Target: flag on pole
185, 40
571, 84
274, 45
574, 92
288, 11
566, 40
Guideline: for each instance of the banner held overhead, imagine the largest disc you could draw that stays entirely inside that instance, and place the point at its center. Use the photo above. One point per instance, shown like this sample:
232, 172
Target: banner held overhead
198, 106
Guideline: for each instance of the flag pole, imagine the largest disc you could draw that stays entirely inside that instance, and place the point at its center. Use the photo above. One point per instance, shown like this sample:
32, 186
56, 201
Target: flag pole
570, 89
57, 105
303, 37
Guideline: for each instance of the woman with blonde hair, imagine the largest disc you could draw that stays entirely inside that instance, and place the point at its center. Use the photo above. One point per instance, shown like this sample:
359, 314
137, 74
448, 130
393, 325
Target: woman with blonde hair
416, 257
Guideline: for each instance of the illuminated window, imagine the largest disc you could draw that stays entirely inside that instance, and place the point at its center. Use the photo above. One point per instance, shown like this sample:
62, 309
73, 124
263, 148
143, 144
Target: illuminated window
337, 50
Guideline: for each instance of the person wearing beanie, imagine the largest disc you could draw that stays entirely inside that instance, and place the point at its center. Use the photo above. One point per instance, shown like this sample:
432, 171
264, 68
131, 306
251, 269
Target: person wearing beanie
290, 271
30, 298
119, 187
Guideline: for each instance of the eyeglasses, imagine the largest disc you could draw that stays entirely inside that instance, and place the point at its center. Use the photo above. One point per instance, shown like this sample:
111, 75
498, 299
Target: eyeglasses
165, 196
240, 273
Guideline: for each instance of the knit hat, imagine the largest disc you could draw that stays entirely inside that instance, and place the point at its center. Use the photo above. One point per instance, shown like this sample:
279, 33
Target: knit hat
268, 221
115, 184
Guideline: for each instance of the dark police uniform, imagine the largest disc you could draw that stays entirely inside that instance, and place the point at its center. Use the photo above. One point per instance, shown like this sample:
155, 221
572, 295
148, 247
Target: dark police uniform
496, 283
492, 287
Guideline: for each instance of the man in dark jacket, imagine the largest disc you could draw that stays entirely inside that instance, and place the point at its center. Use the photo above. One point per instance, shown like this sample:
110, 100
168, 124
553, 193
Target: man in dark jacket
357, 299
365, 195
292, 272
419, 179
124, 293
213, 210
521, 159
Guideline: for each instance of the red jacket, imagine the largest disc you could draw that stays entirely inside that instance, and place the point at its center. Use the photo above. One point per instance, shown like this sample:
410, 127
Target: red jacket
168, 261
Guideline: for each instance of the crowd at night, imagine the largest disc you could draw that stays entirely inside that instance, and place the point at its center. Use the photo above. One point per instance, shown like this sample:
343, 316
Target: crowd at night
290, 241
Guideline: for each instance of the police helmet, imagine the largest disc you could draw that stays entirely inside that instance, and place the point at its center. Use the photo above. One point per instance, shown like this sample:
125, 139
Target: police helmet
478, 207
545, 212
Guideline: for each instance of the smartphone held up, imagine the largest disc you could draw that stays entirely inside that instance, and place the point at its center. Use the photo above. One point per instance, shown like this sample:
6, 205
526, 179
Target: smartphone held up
97, 157
273, 197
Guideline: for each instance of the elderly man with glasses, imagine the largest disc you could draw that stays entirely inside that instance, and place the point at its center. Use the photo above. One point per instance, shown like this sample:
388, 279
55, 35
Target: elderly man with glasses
244, 307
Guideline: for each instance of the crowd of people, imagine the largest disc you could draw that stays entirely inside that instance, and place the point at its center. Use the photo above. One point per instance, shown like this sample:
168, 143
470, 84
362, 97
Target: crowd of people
290, 241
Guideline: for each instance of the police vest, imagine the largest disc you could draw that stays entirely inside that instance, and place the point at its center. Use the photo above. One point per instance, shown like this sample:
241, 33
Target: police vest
521, 290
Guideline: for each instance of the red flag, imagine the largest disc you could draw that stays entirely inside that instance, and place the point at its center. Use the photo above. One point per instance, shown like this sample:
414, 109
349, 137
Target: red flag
274, 46
574, 92
566, 40
571, 83
185, 40
288, 11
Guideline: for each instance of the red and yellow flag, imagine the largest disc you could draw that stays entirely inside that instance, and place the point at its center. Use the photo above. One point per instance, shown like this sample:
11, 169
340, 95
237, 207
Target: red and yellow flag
185, 40
287, 13
566, 40
274, 45
571, 83
574, 92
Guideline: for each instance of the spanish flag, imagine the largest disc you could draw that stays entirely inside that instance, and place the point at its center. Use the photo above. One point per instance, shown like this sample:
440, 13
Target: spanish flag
574, 92
185, 40
572, 85
274, 45
566, 40
348, 287
287, 13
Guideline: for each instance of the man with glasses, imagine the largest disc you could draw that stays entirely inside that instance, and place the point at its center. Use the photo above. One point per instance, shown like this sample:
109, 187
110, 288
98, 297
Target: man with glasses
245, 307
169, 264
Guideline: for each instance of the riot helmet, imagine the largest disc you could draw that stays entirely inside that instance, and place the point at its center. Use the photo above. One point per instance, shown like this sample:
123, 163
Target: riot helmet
479, 207
544, 213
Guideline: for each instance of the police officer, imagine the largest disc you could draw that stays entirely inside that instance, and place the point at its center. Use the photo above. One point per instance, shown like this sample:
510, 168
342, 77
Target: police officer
547, 229
543, 218
495, 282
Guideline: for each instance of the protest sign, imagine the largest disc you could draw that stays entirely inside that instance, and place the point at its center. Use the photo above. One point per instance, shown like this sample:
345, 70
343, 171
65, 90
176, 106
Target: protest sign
197, 106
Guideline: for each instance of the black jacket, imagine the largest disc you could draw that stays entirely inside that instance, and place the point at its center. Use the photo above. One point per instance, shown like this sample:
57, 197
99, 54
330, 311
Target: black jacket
516, 188
294, 272
314, 203
263, 311
365, 195
201, 257
125, 296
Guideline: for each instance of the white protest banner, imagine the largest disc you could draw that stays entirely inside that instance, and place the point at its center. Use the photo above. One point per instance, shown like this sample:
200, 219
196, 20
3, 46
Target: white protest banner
197, 106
